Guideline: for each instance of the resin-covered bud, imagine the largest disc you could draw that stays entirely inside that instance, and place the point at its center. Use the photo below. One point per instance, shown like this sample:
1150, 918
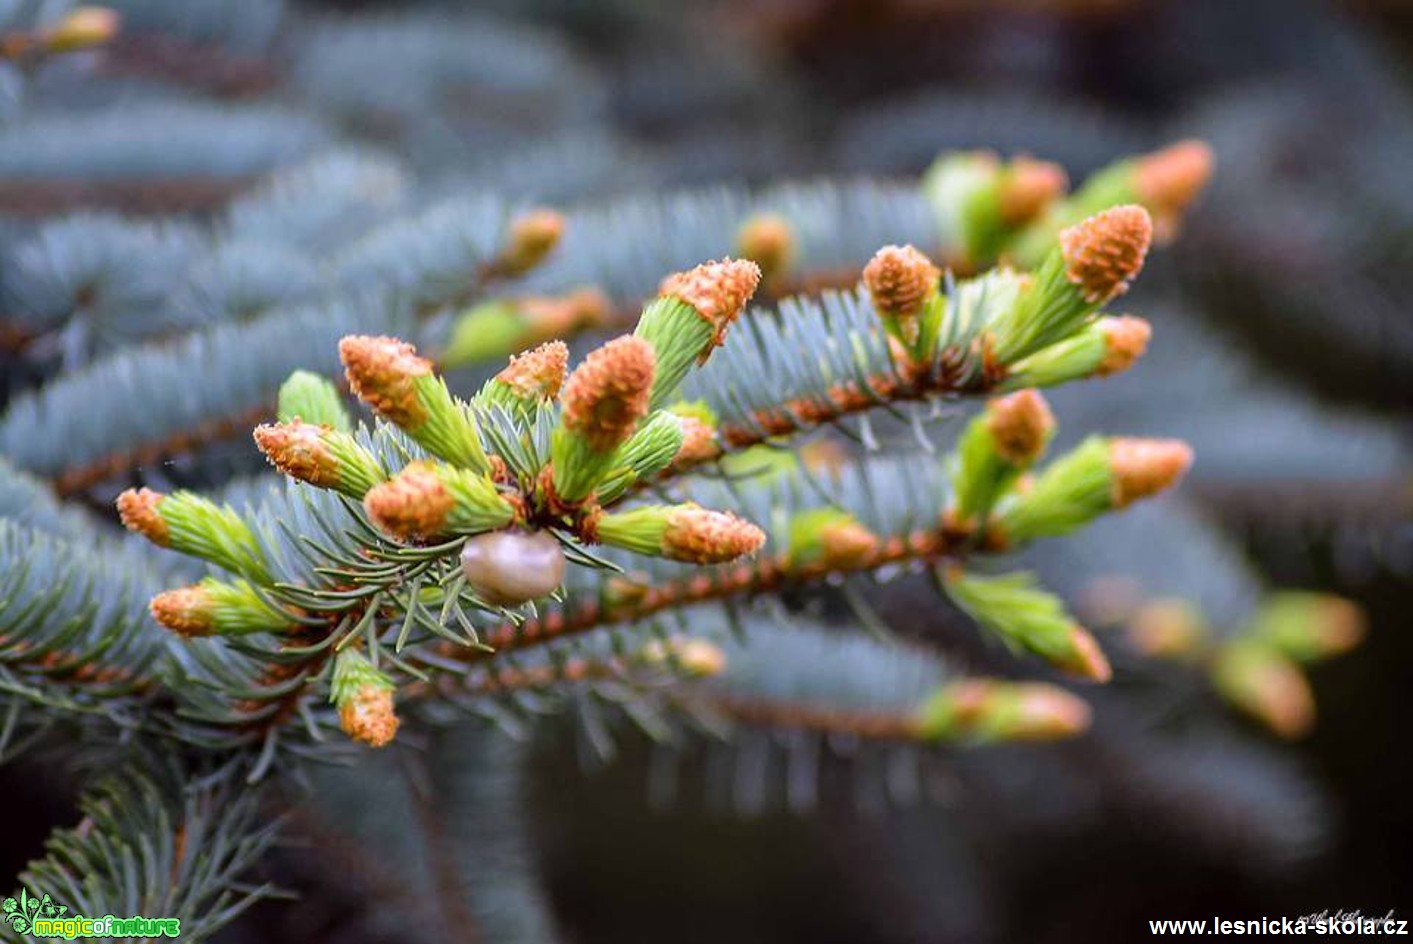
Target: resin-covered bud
507, 568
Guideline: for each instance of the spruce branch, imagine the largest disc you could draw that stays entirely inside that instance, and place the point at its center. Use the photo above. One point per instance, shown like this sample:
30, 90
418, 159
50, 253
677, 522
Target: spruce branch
222, 72
438, 257
657, 662
902, 340
29, 501
810, 678
438, 849
467, 492
115, 274
167, 157
636, 533
807, 679
811, 538
1258, 666
75, 633
241, 366
423, 263
831, 229
1165, 182
1190, 599
159, 842
39, 198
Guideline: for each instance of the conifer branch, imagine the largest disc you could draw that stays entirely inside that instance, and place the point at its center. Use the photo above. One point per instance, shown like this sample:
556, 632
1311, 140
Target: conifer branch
811, 679
524, 519
203, 65
424, 262
920, 526
443, 256
670, 659
762, 576
453, 829
867, 725
180, 155
536, 451
30, 197
1195, 602
158, 842
79, 631
985, 335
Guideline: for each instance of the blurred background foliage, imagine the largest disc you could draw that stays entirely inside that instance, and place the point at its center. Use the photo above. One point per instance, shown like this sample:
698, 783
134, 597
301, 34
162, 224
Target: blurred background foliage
1283, 351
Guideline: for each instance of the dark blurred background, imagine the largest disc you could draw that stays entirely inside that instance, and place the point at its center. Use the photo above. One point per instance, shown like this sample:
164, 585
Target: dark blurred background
1299, 259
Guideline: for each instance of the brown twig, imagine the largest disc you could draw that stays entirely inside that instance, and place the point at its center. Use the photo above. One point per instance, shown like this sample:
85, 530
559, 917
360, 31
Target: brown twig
502, 681
200, 65
38, 196
872, 725
81, 478
741, 580
57, 663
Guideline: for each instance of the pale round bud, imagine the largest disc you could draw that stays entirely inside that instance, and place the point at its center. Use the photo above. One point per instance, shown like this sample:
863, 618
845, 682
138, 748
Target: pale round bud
506, 568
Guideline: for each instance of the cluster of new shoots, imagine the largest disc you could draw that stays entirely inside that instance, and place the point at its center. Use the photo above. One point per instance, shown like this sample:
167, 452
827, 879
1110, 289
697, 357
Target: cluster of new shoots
499, 484
1259, 668
1012, 210
985, 201
1008, 330
482, 502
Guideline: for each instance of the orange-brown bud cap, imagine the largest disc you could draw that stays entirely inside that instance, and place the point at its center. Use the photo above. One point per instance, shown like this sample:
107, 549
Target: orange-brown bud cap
701, 536
298, 450
900, 279
1087, 659
829, 456
82, 28
1167, 181
383, 372
137, 508
607, 394
1269, 687
531, 236
696, 657
554, 316
698, 442
1166, 629
1048, 713
847, 544
1020, 425
717, 290
1125, 340
1281, 698
1341, 625
1010, 711
189, 611
412, 505
1144, 467
368, 716
1028, 187
768, 240
626, 589
1104, 252
537, 374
